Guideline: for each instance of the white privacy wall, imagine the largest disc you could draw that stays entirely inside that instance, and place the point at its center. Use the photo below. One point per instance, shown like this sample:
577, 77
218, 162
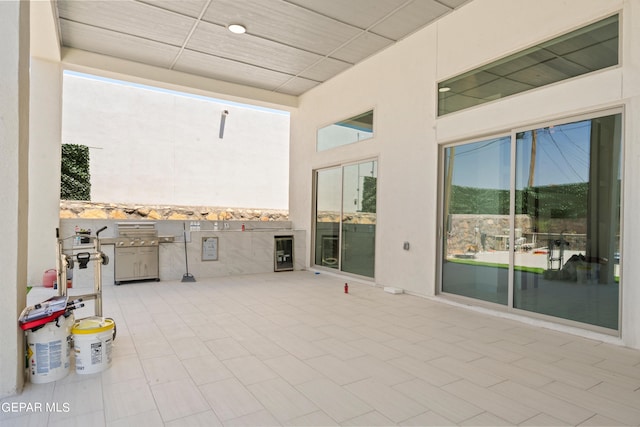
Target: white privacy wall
157, 147
401, 85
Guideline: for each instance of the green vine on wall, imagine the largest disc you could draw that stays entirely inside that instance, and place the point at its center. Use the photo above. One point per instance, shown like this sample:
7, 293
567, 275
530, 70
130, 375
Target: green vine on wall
76, 179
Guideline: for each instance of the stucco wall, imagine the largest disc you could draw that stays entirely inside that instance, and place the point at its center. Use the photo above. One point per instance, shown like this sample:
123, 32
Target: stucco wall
159, 147
396, 84
400, 84
44, 164
14, 144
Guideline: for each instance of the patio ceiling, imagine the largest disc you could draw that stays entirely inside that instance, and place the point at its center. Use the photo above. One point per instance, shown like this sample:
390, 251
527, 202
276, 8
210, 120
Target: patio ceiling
289, 46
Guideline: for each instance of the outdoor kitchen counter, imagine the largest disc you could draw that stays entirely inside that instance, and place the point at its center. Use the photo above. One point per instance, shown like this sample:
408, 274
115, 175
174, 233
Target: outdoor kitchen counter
221, 253
238, 252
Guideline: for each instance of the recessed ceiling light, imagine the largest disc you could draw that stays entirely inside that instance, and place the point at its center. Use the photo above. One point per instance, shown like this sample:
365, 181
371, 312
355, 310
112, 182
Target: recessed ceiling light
237, 28
444, 89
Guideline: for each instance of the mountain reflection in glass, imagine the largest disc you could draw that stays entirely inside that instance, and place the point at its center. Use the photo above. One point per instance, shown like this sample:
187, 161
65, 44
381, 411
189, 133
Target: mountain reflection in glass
568, 196
556, 230
476, 216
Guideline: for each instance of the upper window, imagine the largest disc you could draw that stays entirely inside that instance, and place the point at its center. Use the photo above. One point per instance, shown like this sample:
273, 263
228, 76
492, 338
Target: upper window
345, 132
582, 51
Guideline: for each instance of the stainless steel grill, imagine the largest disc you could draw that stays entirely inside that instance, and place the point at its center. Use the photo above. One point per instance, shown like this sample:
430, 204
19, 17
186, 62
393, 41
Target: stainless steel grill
137, 234
136, 252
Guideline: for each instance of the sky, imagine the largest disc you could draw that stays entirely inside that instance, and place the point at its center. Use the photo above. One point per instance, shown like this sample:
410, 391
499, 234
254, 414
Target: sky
175, 92
562, 157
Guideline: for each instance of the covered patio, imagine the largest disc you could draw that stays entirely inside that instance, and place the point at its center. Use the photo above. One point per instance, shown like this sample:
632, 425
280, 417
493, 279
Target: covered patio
294, 349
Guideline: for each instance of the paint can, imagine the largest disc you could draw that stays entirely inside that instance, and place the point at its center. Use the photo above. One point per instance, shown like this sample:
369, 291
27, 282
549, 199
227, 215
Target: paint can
49, 350
92, 344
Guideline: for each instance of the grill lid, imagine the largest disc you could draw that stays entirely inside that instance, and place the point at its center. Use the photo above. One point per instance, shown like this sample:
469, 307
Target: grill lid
137, 229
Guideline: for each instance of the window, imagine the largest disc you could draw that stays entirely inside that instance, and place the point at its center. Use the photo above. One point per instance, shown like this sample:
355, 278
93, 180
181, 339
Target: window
579, 52
345, 225
345, 132
543, 228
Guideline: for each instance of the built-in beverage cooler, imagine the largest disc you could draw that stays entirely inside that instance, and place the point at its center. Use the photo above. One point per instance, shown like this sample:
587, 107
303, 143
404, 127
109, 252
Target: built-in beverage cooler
283, 253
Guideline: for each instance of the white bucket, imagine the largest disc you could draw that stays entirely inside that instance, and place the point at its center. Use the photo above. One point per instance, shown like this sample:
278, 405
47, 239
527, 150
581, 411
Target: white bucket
49, 351
92, 342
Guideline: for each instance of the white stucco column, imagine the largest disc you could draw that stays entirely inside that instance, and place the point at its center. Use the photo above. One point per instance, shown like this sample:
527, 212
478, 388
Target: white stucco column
14, 145
45, 129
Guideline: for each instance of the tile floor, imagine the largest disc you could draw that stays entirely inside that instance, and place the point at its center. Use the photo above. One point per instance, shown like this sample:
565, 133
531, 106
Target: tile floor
292, 349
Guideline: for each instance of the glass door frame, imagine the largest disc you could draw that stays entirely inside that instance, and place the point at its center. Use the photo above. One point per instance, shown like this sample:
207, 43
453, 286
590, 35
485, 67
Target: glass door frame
509, 307
314, 216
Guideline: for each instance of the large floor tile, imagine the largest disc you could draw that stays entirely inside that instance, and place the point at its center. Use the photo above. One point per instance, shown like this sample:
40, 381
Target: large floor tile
145, 419
124, 369
339, 349
206, 369
282, 399
230, 399
315, 419
334, 400
424, 370
474, 373
202, 419
82, 397
261, 418
370, 419
227, 348
447, 405
127, 398
502, 407
178, 399
558, 373
292, 370
262, 348
427, 419
510, 371
249, 369
376, 349
89, 419
189, 347
607, 407
163, 369
339, 371
295, 346
379, 370
387, 401
557, 408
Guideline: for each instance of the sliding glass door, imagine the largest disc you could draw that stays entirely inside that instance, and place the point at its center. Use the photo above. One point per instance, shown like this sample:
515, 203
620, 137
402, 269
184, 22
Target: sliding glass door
476, 219
568, 203
345, 225
532, 220
328, 208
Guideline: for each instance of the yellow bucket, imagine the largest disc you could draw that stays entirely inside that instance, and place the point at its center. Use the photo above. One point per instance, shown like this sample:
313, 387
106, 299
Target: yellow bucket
92, 344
